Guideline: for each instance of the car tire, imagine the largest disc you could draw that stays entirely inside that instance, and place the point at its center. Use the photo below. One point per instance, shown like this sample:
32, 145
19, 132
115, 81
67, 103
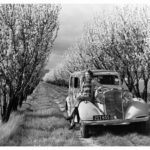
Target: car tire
84, 131
143, 127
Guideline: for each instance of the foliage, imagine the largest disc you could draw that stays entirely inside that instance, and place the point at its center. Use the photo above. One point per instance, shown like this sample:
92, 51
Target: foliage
27, 33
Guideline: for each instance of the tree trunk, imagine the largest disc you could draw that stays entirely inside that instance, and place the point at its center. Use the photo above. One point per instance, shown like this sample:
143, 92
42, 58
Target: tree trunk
3, 106
21, 98
137, 91
15, 104
8, 111
144, 94
20, 103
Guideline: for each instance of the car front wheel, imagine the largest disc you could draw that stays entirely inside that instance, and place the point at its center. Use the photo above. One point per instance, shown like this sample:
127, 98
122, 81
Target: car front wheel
143, 127
84, 131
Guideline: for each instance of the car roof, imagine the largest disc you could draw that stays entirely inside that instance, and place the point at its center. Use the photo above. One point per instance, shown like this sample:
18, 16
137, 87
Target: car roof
95, 72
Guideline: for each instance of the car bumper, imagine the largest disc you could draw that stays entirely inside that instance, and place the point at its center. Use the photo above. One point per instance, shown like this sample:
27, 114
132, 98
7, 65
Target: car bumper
115, 122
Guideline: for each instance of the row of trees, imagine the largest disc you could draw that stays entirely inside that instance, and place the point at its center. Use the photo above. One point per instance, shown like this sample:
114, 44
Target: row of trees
27, 34
119, 41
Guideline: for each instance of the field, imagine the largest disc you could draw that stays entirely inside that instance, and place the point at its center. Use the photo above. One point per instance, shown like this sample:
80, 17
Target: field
41, 122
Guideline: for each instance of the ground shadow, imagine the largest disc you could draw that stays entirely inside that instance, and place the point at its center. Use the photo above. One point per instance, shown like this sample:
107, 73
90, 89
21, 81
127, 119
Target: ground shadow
121, 130
118, 130
45, 115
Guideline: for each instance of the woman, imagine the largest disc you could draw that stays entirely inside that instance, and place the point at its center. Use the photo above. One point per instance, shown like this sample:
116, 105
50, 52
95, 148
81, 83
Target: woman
85, 94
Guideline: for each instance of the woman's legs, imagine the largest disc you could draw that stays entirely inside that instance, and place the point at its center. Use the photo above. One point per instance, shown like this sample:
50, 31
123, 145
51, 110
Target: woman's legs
72, 117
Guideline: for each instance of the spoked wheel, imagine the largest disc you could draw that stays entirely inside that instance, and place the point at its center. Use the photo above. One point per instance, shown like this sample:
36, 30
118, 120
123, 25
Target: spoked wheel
84, 131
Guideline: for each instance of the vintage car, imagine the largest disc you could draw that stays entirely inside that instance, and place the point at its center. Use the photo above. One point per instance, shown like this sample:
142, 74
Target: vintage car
112, 104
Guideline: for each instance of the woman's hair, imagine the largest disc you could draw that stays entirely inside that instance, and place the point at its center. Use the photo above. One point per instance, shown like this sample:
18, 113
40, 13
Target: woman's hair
84, 76
90, 73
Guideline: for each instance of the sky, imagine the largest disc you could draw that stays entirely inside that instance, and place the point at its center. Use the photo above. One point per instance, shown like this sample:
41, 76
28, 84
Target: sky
72, 19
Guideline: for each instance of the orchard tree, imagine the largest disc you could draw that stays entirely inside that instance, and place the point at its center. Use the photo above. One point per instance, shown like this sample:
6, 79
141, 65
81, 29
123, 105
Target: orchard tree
121, 42
27, 34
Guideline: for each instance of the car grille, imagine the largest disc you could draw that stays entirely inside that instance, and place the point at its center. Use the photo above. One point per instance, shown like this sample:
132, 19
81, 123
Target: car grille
113, 103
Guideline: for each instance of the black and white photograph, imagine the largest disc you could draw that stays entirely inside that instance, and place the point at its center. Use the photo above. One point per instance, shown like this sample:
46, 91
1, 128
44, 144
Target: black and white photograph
74, 74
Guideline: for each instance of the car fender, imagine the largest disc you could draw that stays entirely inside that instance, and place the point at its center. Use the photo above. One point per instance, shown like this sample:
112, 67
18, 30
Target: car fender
136, 109
87, 110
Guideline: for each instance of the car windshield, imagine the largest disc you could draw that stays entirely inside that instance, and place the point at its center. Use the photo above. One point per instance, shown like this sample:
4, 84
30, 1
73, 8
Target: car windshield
107, 79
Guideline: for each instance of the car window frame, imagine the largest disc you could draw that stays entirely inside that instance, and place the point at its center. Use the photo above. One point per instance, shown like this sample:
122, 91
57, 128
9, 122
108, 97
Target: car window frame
78, 82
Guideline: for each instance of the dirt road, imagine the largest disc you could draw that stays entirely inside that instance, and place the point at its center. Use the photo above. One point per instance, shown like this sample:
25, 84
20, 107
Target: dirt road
44, 124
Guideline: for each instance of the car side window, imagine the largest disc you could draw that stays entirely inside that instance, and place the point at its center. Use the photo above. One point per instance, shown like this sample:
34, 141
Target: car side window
76, 82
71, 82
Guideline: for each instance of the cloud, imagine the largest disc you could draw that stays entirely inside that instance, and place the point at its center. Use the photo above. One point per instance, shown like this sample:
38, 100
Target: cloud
72, 19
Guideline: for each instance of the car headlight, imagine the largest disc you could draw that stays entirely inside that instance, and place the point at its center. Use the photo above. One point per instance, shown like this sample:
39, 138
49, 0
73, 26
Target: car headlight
139, 100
